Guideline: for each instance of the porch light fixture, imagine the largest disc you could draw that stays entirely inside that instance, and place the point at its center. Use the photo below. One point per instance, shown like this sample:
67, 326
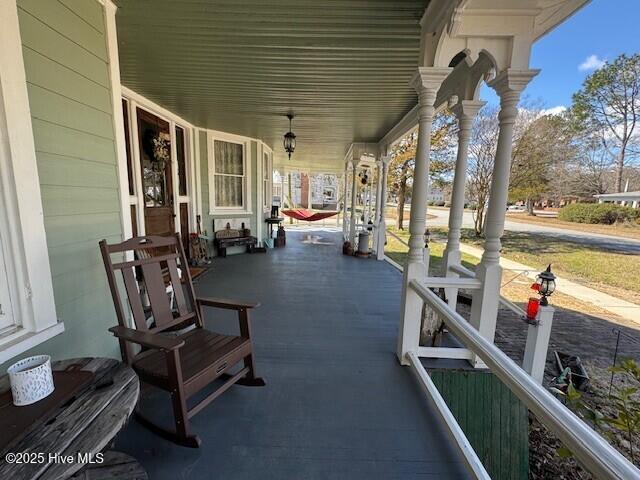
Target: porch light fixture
364, 177
289, 138
547, 281
545, 285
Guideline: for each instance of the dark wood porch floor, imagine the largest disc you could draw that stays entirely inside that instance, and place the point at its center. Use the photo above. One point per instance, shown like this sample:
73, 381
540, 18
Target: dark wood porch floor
337, 404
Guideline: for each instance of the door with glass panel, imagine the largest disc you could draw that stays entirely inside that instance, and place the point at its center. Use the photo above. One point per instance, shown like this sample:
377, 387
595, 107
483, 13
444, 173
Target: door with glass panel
155, 167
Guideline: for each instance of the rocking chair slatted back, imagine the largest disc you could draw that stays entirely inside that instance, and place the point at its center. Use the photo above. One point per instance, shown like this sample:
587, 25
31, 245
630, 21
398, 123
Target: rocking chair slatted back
133, 294
178, 292
158, 298
154, 272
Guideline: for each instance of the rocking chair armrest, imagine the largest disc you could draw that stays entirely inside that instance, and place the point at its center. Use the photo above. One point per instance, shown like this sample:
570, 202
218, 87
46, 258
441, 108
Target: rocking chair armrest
149, 340
226, 304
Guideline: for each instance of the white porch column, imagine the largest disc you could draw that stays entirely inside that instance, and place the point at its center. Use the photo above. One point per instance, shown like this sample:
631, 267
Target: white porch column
484, 311
427, 82
352, 224
338, 204
465, 111
378, 207
381, 233
376, 218
365, 203
344, 200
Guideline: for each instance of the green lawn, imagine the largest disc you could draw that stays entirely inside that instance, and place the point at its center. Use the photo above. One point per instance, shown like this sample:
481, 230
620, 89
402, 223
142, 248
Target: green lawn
612, 272
615, 273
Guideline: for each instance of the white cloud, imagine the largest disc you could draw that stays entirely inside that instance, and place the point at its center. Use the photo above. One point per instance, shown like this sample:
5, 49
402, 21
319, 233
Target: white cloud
592, 62
557, 110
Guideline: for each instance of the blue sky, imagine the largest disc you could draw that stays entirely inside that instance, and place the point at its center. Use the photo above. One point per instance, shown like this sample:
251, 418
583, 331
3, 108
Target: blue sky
600, 31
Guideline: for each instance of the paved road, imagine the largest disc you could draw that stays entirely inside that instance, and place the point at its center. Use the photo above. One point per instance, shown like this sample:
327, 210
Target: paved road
609, 242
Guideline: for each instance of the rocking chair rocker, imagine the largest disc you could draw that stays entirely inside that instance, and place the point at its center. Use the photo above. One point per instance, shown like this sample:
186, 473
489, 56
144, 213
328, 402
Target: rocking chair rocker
181, 364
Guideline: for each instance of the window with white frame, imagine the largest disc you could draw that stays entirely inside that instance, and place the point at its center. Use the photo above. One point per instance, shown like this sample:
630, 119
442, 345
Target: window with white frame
266, 180
277, 182
229, 175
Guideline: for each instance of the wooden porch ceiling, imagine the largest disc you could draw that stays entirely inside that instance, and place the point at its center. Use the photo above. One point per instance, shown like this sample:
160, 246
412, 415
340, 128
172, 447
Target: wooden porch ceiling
341, 66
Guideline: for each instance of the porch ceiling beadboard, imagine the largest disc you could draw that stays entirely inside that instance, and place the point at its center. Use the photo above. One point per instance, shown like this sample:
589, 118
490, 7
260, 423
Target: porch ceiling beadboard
341, 66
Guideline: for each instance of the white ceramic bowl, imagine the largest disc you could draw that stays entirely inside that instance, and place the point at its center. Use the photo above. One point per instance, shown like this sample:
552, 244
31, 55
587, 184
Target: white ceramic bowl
31, 379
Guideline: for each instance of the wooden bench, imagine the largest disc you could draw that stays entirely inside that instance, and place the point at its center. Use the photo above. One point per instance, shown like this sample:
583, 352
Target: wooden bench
223, 243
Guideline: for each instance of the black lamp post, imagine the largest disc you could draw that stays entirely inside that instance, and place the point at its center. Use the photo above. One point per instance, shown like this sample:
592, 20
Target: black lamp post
289, 138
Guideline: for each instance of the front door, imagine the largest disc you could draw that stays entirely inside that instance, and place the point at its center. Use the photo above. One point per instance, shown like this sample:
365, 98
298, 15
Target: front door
157, 185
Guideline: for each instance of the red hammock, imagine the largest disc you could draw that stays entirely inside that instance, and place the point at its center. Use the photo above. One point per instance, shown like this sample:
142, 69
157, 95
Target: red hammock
308, 215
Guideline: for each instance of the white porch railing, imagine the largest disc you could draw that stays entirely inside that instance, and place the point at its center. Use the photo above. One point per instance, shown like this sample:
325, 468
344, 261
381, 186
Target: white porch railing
597, 456
463, 272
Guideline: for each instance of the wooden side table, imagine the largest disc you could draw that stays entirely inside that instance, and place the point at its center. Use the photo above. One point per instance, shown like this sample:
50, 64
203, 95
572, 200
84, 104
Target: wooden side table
85, 425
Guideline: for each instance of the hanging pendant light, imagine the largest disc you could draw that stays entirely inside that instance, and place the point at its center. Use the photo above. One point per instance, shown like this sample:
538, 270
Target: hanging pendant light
289, 138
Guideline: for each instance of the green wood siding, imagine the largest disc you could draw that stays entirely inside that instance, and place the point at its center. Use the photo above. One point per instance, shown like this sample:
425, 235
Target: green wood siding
37, 35
65, 54
59, 140
493, 419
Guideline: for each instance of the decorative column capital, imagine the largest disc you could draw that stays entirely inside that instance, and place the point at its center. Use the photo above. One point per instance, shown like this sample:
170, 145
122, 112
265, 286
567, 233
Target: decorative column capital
426, 82
508, 84
385, 160
467, 109
429, 78
512, 81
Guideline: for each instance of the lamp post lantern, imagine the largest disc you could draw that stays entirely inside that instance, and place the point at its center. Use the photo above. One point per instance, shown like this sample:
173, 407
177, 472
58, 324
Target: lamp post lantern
546, 282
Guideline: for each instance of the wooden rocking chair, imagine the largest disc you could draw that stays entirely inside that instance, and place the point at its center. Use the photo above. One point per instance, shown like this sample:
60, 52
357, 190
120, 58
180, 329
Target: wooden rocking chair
180, 364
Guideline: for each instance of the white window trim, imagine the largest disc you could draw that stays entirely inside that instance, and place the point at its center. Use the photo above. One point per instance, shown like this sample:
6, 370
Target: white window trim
187, 165
136, 101
266, 208
28, 265
197, 177
117, 117
246, 187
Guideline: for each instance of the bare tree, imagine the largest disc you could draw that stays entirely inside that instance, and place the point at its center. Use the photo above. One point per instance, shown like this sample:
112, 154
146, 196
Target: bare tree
482, 151
401, 173
591, 168
403, 160
609, 103
544, 144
